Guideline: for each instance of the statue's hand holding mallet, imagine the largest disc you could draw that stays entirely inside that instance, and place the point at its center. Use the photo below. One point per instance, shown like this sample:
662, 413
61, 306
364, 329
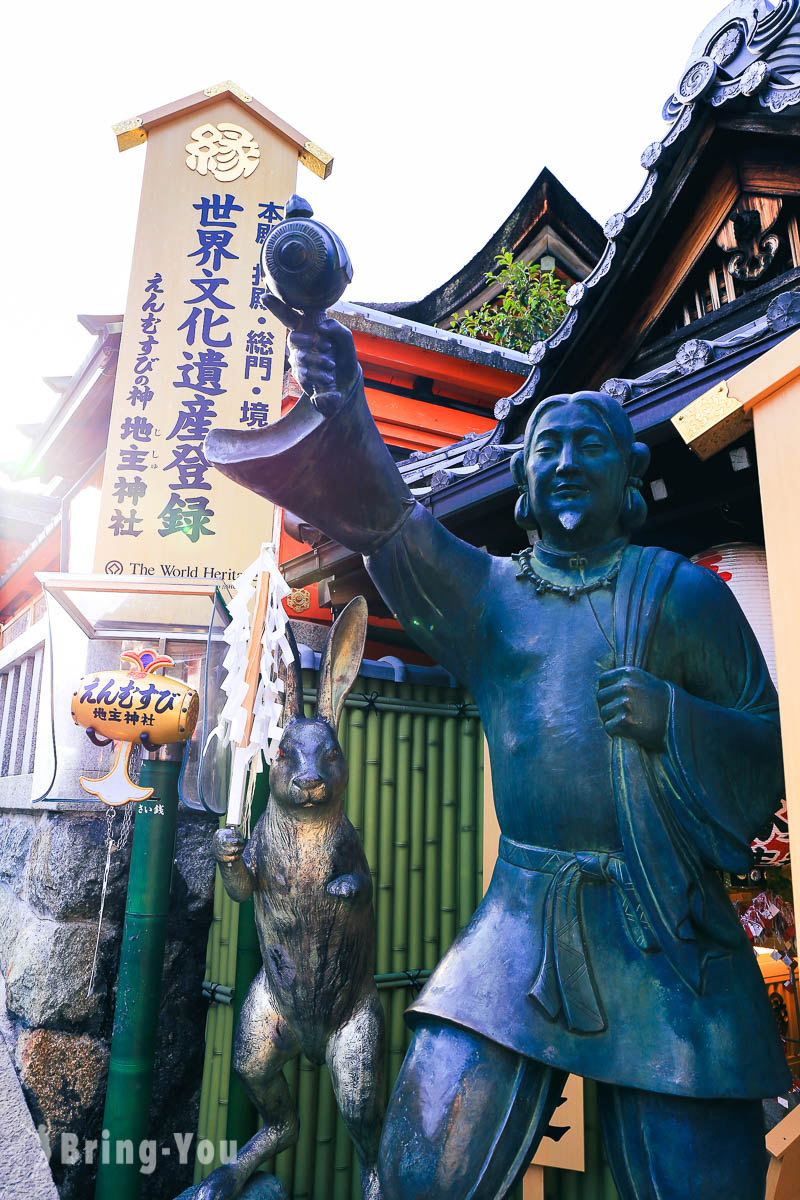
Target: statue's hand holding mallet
322, 357
306, 269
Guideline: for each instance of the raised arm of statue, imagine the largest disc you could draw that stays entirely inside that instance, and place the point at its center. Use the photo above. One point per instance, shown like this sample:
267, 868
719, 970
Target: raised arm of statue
327, 463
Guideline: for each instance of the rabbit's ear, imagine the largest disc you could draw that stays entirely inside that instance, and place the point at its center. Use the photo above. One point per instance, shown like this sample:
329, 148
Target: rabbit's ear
341, 660
293, 706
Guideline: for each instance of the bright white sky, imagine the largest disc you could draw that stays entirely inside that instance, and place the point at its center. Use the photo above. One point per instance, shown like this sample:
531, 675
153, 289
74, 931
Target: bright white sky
439, 115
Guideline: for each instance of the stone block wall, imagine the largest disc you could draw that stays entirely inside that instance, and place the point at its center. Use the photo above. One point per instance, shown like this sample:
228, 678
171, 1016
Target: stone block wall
51, 874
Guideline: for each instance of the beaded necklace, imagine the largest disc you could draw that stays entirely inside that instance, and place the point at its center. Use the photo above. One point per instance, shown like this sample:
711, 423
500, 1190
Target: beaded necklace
526, 570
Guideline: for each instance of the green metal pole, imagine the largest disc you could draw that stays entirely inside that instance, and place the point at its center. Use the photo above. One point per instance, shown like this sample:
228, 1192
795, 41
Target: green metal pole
130, 1073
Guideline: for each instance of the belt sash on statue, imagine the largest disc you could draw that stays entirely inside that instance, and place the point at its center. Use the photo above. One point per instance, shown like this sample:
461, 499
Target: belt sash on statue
563, 982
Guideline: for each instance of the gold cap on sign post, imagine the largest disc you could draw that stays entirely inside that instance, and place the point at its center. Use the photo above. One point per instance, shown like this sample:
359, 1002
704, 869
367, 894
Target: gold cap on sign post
135, 130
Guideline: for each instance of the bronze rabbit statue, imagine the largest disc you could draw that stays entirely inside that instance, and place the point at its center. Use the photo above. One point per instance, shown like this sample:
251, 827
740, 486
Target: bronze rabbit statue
306, 869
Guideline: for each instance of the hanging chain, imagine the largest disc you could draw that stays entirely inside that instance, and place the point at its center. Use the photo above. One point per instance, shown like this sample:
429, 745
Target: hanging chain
127, 821
112, 845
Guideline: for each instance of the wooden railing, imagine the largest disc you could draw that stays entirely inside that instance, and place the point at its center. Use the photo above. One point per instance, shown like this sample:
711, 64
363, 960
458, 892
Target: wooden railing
21, 664
22, 620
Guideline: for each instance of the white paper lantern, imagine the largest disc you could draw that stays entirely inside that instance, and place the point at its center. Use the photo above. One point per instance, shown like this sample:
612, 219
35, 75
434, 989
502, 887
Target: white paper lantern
743, 566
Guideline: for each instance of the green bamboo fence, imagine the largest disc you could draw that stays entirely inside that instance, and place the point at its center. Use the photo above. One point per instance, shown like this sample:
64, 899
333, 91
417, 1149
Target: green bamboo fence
221, 970
415, 795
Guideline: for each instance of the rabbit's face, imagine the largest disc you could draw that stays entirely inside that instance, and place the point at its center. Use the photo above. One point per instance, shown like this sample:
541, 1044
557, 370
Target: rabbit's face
310, 771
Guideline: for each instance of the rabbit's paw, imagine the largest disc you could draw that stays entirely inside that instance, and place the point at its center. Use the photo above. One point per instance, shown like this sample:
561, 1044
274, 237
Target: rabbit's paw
228, 846
347, 887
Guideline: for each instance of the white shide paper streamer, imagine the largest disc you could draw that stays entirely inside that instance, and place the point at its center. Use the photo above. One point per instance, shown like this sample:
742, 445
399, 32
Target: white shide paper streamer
266, 730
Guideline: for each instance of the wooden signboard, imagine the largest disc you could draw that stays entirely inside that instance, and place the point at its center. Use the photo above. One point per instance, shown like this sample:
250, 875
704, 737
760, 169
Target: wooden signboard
197, 349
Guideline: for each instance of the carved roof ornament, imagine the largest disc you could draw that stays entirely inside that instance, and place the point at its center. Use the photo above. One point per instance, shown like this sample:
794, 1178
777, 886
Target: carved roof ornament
754, 46
603, 267
620, 389
725, 45
692, 355
441, 479
784, 311
644, 195
575, 294
489, 454
754, 77
746, 233
614, 225
749, 52
697, 81
650, 155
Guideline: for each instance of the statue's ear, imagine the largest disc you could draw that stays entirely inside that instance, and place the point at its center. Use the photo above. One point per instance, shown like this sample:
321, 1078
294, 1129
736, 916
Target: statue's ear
341, 660
523, 513
634, 506
640, 459
518, 470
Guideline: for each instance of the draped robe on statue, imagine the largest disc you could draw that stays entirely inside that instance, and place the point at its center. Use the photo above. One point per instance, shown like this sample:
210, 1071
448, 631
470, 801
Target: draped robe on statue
605, 944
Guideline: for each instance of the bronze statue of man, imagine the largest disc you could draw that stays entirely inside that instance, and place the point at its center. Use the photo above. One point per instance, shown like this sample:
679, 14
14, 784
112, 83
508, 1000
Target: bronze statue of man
635, 749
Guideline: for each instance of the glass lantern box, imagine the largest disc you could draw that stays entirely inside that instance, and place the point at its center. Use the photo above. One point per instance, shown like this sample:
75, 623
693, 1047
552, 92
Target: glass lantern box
91, 620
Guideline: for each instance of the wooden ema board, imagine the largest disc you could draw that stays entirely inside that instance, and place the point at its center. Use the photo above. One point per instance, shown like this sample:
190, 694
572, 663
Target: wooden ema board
567, 1153
197, 350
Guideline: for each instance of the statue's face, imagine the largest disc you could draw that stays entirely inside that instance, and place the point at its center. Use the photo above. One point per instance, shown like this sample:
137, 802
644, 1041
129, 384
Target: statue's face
576, 477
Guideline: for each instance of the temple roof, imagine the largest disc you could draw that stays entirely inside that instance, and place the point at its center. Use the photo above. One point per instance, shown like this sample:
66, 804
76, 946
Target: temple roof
458, 478
75, 431
389, 325
745, 65
548, 221
740, 88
